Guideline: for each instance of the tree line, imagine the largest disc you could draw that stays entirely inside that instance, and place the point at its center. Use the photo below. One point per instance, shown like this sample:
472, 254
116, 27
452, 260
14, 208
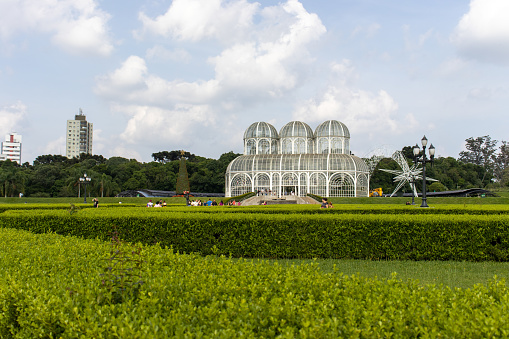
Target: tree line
482, 164
58, 176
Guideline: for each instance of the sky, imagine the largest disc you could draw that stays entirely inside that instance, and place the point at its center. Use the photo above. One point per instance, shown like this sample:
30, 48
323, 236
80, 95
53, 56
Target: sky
156, 75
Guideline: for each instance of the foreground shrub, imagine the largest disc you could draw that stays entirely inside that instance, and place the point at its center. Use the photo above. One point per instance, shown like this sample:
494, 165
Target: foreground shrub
50, 285
415, 237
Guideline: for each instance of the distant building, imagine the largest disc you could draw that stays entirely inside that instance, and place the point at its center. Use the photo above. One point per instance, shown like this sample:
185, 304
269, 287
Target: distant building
11, 148
79, 135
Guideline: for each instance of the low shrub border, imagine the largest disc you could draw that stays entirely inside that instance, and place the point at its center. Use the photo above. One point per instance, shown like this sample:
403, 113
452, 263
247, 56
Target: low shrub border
375, 237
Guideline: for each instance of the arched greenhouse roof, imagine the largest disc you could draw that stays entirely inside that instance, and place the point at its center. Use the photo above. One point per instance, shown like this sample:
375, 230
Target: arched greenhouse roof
296, 129
261, 130
332, 128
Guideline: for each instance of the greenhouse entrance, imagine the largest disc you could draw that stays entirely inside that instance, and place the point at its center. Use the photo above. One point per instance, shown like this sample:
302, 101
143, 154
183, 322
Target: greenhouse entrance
289, 190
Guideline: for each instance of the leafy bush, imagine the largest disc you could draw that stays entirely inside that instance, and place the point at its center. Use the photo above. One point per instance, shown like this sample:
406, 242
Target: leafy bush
370, 236
50, 284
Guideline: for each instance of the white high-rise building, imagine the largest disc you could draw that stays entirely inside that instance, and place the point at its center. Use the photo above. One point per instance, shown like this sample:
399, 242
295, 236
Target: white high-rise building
79, 135
11, 148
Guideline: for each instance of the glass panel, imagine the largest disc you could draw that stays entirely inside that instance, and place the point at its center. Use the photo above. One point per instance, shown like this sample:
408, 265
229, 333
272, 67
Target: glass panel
318, 184
286, 146
289, 184
341, 185
303, 187
262, 184
263, 146
362, 185
323, 145
275, 184
240, 184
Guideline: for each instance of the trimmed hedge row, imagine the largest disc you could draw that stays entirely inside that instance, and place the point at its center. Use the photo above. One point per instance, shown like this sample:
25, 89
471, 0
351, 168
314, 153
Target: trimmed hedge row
52, 287
375, 237
10, 207
350, 209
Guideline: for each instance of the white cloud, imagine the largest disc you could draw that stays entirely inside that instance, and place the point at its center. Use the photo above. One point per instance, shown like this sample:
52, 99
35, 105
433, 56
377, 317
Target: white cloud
267, 65
54, 147
363, 112
169, 125
369, 31
194, 20
11, 117
76, 26
158, 52
483, 32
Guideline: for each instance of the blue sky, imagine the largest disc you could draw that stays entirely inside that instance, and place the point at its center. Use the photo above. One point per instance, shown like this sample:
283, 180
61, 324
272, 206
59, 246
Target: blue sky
160, 75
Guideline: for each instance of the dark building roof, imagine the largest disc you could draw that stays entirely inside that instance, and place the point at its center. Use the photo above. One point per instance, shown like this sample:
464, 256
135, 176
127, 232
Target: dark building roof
470, 192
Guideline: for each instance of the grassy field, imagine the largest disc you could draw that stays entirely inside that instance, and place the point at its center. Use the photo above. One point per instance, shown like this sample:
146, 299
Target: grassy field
453, 274
502, 198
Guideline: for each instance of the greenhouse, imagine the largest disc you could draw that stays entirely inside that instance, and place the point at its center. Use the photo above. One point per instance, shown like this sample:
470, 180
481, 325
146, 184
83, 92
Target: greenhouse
298, 161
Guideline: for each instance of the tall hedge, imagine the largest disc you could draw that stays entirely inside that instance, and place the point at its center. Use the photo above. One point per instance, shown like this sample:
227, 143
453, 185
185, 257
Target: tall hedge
376, 237
183, 177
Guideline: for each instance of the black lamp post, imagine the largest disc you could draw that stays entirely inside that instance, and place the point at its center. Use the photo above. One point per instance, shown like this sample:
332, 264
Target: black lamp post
421, 158
84, 180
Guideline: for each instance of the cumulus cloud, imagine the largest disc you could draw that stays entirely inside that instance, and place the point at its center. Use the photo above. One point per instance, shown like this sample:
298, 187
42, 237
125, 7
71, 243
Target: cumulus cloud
483, 32
360, 110
11, 117
171, 125
53, 147
76, 26
194, 20
159, 52
266, 65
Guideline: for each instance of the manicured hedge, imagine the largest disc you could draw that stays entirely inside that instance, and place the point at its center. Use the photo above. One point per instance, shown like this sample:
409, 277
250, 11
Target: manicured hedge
414, 237
52, 287
10, 207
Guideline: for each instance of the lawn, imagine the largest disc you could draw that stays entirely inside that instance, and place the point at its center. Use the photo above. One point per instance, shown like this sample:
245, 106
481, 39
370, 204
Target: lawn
448, 273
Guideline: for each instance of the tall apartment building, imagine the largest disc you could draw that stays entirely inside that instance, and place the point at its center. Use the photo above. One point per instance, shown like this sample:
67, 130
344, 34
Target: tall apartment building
11, 147
79, 134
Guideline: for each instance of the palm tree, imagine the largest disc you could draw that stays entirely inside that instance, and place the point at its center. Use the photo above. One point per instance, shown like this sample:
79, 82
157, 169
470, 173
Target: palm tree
107, 185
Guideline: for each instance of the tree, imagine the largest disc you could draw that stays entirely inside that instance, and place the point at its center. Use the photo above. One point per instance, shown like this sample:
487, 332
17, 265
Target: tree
183, 177
165, 156
502, 162
480, 151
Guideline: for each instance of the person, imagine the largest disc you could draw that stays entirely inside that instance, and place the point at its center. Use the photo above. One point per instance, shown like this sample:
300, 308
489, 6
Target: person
214, 202
221, 203
330, 205
150, 203
324, 203
186, 194
96, 202
164, 203
209, 202
158, 204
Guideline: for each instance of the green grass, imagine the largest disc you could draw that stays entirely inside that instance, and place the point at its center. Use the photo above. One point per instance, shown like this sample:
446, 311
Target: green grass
502, 199
78, 201
448, 273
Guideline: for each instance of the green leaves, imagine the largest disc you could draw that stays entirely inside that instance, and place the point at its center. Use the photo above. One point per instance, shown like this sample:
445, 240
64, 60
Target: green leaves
49, 287
300, 232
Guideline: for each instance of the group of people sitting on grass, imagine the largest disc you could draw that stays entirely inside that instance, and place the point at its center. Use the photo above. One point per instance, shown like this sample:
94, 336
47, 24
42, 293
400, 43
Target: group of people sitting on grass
159, 203
209, 202
326, 204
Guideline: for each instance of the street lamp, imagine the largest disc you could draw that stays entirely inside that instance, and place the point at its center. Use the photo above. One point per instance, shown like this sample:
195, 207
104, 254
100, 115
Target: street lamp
85, 181
421, 158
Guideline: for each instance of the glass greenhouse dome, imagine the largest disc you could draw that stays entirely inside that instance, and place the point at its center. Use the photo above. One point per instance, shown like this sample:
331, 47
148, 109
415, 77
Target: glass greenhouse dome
298, 161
